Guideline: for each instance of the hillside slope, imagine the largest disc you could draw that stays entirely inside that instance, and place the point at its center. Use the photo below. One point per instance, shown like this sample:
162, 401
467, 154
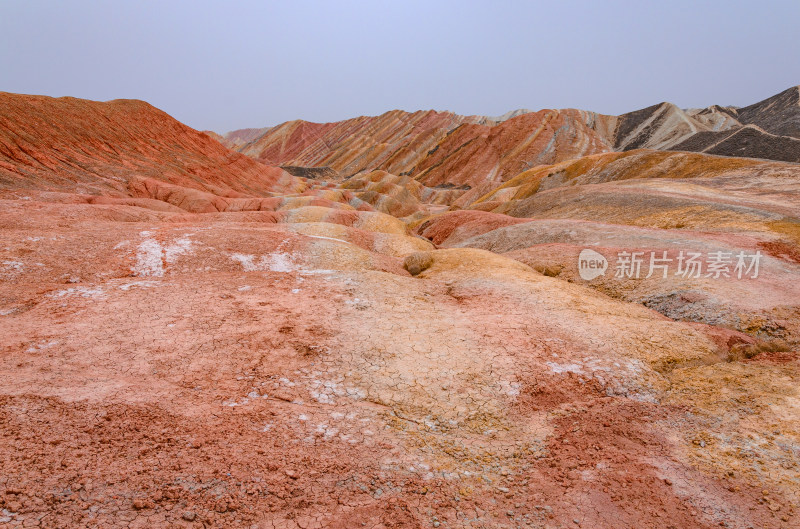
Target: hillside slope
446, 148
76, 145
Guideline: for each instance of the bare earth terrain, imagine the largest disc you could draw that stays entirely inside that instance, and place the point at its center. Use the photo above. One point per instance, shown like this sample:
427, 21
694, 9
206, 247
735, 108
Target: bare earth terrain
394, 332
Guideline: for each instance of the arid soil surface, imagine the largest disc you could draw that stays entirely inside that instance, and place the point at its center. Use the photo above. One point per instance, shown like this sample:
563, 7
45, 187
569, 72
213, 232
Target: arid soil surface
179, 349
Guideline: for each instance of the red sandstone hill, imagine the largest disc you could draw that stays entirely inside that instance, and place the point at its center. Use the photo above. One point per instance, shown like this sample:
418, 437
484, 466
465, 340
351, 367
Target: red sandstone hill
437, 148
440, 148
75, 145
394, 141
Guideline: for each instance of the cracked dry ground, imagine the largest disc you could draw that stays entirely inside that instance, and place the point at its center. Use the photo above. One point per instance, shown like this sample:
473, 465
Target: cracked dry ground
216, 371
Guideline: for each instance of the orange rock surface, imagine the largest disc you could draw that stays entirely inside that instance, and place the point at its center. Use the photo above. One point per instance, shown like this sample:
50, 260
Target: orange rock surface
74, 145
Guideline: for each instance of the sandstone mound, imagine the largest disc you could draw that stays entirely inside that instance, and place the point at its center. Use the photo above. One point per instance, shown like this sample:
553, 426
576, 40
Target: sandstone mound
662, 190
418, 262
765, 307
366, 220
394, 244
448, 229
396, 195
639, 164
399, 196
465, 262
196, 201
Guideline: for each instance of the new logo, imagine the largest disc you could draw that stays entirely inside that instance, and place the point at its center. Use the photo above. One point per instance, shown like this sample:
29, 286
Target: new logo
591, 264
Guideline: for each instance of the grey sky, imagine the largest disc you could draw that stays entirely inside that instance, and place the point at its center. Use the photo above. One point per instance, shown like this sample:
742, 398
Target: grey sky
227, 65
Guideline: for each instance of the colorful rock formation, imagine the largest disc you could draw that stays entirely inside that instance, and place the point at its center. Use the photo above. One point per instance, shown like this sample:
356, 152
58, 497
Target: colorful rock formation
395, 331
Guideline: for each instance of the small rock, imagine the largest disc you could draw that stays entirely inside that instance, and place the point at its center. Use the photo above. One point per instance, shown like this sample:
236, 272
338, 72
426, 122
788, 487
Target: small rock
189, 516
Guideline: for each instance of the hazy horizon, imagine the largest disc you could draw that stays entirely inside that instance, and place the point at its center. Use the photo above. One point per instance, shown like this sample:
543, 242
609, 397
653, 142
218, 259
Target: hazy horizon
248, 65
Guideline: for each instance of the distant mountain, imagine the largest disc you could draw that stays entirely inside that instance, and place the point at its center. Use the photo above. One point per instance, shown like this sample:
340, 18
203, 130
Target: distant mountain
769, 129
779, 114
441, 148
437, 148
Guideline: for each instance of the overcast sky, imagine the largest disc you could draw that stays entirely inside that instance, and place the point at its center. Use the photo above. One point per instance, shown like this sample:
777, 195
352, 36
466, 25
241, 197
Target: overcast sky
229, 65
